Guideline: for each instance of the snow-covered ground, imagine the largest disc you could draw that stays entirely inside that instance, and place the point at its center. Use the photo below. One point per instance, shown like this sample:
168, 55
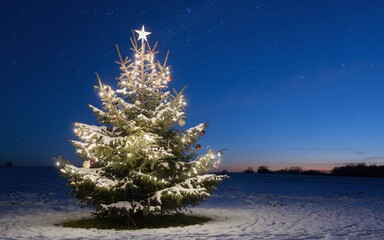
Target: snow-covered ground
246, 206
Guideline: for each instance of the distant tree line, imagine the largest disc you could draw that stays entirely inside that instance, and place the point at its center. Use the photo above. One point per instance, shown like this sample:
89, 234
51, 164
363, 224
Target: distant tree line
359, 170
8, 164
291, 170
353, 170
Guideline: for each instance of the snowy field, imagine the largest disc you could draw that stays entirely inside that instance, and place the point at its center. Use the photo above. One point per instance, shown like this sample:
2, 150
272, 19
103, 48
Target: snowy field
247, 206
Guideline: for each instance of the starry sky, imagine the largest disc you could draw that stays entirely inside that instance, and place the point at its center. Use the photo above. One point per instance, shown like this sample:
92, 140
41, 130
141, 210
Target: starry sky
280, 83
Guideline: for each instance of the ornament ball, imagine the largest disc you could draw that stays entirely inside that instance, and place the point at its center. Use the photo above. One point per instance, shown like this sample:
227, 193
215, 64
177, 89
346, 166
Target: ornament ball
181, 122
202, 132
78, 132
198, 146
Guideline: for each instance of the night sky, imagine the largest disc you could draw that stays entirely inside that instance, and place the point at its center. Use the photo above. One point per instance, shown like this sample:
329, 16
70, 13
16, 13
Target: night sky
280, 83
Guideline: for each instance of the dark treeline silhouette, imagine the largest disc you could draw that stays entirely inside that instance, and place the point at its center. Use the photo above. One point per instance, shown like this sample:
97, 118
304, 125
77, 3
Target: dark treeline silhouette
263, 169
291, 170
359, 170
352, 170
249, 170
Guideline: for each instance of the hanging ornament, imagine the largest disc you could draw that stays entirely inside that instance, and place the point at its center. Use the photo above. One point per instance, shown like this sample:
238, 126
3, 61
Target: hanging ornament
181, 122
78, 132
169, 78
219, 154
202, 132
198, 147
86, 164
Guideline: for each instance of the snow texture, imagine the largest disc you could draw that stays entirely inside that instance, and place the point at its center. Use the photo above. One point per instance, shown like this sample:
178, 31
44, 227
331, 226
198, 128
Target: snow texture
246, 206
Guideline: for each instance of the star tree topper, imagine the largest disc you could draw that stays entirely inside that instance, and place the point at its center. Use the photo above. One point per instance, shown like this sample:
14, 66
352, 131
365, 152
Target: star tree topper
142, 34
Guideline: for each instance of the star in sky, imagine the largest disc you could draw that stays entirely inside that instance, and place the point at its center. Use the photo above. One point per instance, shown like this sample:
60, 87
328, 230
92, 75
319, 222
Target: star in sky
142, 33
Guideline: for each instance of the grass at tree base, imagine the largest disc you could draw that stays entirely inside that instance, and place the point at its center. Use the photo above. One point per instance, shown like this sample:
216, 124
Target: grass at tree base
122, 223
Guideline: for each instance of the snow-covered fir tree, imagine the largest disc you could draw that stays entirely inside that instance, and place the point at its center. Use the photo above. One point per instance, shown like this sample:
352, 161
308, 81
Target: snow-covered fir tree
139, 160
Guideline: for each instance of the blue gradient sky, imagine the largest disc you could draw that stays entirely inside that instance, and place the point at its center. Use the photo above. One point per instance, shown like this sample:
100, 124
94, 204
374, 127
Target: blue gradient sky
281, 83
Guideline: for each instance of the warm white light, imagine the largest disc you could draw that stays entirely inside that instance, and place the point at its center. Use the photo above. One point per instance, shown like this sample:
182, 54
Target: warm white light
57, 163
101, 94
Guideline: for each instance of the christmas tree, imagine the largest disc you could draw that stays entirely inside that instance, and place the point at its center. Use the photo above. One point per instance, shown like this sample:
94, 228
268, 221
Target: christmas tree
140, 161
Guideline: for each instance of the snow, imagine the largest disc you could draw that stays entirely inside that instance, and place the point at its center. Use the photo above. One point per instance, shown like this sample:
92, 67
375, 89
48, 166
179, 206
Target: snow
246, 206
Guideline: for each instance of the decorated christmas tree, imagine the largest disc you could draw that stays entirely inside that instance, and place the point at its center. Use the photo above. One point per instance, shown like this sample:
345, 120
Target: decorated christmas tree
139, 161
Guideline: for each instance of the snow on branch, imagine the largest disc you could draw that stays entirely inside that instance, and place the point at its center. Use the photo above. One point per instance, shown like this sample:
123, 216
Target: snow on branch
129, 206
93, 174
189, 186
